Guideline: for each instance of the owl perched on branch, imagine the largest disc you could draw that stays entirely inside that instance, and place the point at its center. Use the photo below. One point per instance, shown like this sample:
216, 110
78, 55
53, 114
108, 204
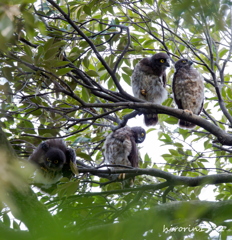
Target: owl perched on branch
120, 146
188, 90
149, 82
54, 160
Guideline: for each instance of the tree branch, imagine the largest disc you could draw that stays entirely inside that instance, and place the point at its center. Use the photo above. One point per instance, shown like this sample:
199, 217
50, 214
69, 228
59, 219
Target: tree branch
223, 137
172, 180
75, 27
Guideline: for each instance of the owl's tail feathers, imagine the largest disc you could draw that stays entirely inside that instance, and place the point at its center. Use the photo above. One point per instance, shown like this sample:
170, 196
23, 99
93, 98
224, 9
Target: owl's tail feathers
150, 119
184, 124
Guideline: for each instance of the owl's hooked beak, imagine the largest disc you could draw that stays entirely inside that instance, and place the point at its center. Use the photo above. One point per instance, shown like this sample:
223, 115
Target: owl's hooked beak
167, 63
140, 139
190, 63
49, 164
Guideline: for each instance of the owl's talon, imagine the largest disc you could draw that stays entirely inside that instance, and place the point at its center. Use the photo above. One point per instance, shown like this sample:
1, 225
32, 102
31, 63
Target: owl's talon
121, 176
143, 92
44, 169
188, 112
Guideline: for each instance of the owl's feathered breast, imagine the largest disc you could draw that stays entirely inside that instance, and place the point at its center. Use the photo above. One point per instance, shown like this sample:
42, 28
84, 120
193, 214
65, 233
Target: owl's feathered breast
188, 88
118, 147
144, 78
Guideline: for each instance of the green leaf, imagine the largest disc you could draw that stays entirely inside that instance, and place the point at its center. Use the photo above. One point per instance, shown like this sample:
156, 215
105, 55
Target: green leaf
16, 225
147, 159
6, 220
84, 156
82, 140
150, 130
63, 71
6, 26
85, 94
127, 70
7, 73
28, 50
67, 189
48, 44
51, 53
92, 73
171, 120
174, 152
87, 10
126, 78
56, 63
223, 52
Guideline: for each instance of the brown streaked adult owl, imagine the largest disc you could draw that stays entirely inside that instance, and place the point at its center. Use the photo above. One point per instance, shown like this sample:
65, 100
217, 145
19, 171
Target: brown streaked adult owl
188, 89
54, 159
149, 81
120, 146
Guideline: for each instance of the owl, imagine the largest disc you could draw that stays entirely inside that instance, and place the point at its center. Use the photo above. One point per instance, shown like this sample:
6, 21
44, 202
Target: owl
188, 89
148, 82
120, 146
54, 160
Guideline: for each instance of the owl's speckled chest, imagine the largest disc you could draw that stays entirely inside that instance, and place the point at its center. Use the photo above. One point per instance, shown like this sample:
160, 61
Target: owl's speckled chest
188, 89
118, 147
152, 84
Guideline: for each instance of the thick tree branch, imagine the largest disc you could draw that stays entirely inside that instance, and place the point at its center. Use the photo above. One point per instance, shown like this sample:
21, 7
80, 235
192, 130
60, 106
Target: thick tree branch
172, 180
223, 137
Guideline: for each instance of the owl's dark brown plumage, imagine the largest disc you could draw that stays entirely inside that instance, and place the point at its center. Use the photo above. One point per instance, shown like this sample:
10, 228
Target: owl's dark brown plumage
120, 146
188, 89
149, 81
53, 158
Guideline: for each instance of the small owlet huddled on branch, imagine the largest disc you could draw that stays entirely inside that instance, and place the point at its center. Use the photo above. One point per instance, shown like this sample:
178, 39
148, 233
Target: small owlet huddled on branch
54, 160
120, 146
188, 90
149, 82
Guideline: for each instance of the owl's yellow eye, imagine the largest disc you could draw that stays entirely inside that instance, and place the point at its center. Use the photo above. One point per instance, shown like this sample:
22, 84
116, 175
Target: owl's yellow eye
162, 60
48, 160
142, 134
55, 161
184, 61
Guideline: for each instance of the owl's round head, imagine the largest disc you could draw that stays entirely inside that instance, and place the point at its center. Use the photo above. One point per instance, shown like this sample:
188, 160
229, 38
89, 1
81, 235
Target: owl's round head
183, 63
54, 159
139, 134
160, 60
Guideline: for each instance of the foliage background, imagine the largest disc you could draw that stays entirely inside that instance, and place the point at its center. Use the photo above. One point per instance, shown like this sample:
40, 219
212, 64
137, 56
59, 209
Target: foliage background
65, 68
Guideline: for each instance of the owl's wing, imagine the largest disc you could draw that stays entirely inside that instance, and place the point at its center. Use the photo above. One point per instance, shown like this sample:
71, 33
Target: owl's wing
44, 146
70, 167
178, 101
164, 79
145, 66
133, 156
70, 155
118, 147
37, 157
200, 91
